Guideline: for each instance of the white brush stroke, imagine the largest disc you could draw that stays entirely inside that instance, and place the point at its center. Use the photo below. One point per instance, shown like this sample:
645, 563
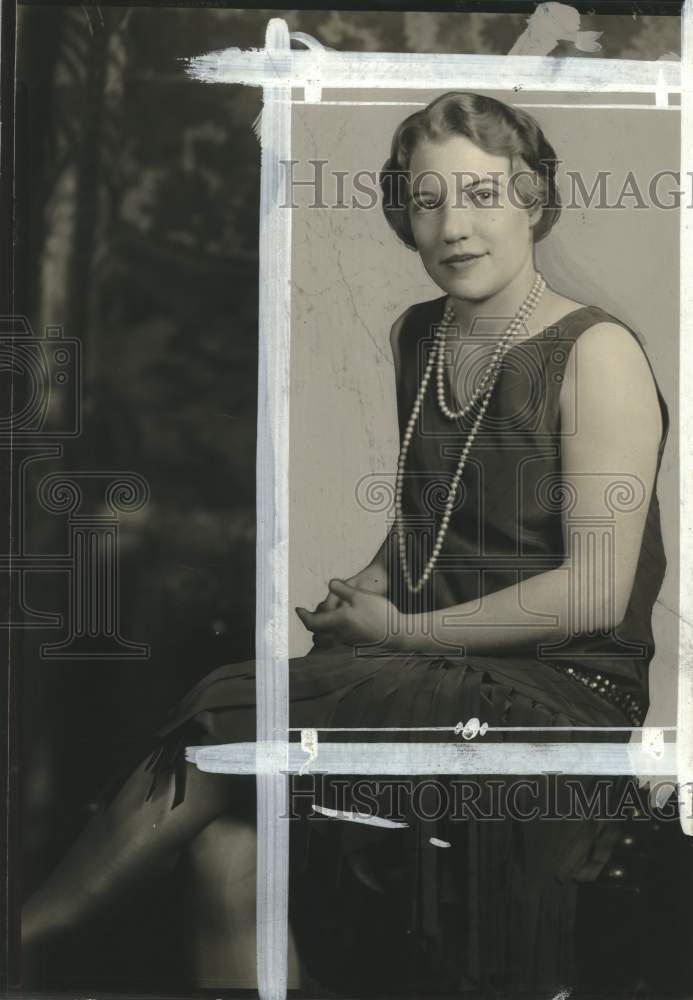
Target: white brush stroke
447, 71
355, 817
567, 107
685, 687
487, 729
550, 24
470, 729
653, 741
441, 758
272, 540
309, 745
661, 92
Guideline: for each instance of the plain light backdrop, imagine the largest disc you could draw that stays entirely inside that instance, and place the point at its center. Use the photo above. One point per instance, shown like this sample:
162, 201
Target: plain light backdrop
351, 278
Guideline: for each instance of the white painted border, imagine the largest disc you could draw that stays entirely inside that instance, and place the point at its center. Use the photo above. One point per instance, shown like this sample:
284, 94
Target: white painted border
277, 69
272, 540
685, 687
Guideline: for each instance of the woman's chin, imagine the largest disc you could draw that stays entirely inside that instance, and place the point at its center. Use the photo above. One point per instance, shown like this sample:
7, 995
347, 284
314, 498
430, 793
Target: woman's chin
467, 288
463, 284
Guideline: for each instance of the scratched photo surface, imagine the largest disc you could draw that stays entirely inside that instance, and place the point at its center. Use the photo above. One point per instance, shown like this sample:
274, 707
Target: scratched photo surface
134, 407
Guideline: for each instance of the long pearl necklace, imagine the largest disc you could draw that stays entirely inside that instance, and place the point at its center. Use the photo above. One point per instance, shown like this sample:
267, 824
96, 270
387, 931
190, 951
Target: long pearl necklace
482, 395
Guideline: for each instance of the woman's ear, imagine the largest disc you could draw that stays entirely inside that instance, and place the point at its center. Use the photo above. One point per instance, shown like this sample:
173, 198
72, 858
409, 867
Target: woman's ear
528, 190
535, 212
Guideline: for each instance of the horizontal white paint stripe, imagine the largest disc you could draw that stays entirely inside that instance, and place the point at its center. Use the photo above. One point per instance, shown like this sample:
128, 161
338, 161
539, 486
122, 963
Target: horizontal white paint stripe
437, 758
422, 104
448, 71
489, 729
607, 107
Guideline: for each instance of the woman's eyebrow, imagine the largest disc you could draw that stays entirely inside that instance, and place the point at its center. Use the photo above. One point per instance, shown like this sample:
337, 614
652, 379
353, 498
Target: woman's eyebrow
424, 192
424, 186
477, 182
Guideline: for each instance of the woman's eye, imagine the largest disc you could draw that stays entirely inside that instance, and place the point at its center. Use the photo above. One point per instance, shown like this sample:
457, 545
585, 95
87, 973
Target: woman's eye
425, 202
483, 197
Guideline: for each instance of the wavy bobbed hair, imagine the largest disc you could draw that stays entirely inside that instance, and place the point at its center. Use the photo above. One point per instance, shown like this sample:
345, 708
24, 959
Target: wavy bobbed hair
494, 127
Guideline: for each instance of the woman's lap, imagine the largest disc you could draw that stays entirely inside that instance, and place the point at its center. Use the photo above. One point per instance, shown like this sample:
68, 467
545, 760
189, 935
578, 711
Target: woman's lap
336, 687
341, 686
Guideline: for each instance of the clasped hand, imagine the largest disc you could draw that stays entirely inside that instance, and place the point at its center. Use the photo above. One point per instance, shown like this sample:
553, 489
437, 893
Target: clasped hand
352, 616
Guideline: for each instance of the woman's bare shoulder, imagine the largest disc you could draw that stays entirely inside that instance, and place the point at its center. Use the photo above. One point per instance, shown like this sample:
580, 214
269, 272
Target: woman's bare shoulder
612, 365
611, 359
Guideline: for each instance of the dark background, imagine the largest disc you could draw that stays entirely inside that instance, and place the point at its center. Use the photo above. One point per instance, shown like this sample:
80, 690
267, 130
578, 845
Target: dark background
136, 206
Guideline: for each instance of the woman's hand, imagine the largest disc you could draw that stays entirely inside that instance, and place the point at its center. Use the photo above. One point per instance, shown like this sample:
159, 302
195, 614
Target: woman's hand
351, 615
372, 579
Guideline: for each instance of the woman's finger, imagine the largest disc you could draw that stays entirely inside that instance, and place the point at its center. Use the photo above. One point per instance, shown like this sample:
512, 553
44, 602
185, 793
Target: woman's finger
342, 590
330, 603
324, 621
323, 640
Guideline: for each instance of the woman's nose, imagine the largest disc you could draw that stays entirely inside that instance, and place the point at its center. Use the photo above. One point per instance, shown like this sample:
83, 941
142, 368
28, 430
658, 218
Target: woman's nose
457, 221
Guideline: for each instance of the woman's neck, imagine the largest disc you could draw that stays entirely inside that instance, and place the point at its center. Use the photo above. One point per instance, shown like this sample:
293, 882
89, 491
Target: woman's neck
495, 312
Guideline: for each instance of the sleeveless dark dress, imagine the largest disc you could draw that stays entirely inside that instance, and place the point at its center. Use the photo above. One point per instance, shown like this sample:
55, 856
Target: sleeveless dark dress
392, 908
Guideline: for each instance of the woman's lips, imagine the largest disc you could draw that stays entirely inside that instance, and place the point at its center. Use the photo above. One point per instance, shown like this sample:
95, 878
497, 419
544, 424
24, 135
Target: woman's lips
466, 262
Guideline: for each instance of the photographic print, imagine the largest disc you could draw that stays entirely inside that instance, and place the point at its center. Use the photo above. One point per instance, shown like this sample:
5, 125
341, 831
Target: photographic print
346, 447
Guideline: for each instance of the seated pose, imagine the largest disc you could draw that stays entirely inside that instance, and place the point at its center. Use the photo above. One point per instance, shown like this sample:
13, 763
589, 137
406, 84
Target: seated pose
515, 588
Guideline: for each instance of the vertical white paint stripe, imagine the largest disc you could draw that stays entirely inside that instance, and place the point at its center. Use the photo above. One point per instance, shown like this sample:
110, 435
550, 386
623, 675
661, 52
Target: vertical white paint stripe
272, 480
685, 690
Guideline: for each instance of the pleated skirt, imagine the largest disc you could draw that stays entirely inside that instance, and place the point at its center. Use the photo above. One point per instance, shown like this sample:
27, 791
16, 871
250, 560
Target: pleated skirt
470, 884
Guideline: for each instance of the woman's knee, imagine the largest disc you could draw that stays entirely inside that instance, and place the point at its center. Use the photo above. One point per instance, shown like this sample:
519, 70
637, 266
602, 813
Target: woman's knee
223, 856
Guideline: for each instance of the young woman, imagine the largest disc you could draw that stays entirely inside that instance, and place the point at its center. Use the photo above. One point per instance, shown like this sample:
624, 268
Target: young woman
515, 588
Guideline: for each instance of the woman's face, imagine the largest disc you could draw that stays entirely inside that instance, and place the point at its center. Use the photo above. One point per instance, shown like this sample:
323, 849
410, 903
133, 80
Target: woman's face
473, 238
